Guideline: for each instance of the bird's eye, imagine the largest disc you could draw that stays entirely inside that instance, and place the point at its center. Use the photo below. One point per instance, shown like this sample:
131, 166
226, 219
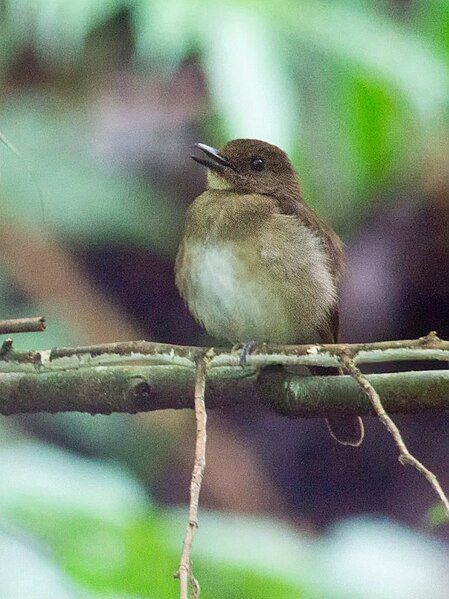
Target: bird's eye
257, 164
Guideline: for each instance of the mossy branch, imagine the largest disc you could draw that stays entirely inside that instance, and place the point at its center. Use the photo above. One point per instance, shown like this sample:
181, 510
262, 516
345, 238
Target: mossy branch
141, 376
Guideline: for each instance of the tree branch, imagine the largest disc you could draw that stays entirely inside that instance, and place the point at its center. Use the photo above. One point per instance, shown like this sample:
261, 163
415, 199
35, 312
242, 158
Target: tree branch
140, 376
429, 347
185, 573
22, 325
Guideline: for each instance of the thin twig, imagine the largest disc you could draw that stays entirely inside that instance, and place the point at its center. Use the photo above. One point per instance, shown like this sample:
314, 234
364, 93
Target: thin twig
22, 325
185, 574
405, 457
429, 347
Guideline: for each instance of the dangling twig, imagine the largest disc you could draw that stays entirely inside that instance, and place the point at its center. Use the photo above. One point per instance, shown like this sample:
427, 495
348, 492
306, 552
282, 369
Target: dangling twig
405, 457
184, 573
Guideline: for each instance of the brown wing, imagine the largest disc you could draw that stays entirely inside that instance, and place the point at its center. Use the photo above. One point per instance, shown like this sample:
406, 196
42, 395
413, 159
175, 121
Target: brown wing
347, 430
329, 330
332, 242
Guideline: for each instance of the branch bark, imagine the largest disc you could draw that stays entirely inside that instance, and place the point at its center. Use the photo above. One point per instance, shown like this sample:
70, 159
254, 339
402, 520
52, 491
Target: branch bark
22, 325
185, 573
429, 347
140, 376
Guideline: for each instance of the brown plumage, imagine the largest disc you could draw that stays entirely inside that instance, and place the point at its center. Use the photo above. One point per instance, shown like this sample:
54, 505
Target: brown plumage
256, 264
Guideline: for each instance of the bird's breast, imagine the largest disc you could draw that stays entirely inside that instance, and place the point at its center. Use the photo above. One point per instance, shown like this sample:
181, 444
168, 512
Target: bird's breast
245, 291
232, 297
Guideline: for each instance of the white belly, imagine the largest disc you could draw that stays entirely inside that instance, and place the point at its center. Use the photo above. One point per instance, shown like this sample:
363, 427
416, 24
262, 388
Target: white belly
234, 302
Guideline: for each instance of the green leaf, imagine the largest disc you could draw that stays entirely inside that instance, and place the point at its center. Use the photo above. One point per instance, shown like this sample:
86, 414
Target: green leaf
431, 20
165, 31
135, 559
26, 570
358, 35
252, 543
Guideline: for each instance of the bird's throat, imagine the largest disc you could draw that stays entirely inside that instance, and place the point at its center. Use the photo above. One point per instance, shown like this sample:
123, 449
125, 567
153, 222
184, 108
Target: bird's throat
218, 182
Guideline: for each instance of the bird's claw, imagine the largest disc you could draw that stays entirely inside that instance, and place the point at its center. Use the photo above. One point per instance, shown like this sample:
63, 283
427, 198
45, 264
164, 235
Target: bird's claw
245, 351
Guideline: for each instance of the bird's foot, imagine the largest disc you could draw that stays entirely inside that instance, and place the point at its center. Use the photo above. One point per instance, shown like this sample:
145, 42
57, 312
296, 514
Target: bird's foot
245, 350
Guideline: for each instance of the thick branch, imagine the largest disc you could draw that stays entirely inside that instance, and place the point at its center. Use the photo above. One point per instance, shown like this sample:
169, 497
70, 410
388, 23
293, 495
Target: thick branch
103, 390
402, 392
140, 376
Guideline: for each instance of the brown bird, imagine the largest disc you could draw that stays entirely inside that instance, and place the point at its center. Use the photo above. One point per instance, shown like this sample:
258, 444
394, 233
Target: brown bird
256, 264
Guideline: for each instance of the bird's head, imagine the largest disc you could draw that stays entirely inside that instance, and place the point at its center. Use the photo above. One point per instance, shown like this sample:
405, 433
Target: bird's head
249, 166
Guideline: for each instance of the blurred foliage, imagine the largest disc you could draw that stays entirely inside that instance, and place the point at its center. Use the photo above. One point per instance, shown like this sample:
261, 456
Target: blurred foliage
64, 515
81, 200
99, 529
355, 91
436, 516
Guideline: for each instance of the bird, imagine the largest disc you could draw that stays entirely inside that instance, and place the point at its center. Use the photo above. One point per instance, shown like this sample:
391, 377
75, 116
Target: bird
255, 263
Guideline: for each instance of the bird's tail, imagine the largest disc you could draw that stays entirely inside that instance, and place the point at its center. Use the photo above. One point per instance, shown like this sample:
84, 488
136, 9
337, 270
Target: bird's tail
347, 430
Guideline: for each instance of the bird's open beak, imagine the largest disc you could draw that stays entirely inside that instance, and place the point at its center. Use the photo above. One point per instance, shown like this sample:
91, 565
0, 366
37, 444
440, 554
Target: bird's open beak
213, 160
